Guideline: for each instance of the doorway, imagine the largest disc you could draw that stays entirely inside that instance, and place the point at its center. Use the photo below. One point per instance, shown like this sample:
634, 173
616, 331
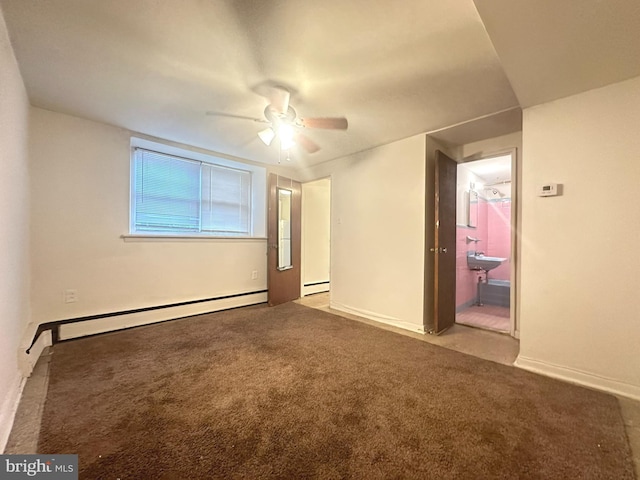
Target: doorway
484, 243
316, 237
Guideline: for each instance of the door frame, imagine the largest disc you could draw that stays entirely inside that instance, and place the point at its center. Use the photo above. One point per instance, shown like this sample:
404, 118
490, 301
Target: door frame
514, 293
302, 247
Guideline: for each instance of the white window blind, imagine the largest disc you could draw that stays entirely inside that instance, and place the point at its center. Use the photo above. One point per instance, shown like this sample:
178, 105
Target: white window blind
225, 200
178, 195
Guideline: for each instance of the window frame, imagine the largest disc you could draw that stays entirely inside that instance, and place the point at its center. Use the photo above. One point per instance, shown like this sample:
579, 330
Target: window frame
257, 191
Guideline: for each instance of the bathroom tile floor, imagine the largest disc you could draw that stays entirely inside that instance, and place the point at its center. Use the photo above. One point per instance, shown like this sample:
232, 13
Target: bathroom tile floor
487, 316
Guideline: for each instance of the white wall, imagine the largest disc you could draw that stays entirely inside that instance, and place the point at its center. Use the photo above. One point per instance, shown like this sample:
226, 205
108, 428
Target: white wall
316, 235
80, 208
580, 314
14, 229
378, 231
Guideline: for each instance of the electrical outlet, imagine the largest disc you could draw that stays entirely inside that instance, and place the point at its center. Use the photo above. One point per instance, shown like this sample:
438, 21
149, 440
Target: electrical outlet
70, 296
254, 275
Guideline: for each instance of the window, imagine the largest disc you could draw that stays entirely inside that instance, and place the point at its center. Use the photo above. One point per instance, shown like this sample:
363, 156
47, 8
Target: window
176, 195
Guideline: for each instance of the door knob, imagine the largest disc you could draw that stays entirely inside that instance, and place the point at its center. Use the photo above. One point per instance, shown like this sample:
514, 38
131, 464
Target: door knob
443, 250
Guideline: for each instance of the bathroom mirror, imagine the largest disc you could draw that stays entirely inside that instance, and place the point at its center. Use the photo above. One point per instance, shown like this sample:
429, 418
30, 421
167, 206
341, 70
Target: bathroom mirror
472, 208
284, 229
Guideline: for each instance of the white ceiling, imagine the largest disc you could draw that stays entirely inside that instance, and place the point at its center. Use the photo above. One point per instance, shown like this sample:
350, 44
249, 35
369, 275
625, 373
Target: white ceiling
555, 48
492, 171
394, 69
482, 128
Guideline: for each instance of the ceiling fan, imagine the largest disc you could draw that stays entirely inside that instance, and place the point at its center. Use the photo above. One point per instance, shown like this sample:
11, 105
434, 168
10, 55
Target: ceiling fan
284, 122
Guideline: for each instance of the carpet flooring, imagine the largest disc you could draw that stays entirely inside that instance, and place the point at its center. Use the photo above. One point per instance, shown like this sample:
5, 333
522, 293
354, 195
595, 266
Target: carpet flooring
293, 392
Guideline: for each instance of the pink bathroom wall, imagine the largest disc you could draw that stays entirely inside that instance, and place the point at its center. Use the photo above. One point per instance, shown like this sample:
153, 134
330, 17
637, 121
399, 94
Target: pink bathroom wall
494, 232
499, 237
466, 279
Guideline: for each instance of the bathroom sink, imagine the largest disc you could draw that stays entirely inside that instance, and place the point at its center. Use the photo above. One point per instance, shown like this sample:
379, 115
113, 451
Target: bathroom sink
480, 262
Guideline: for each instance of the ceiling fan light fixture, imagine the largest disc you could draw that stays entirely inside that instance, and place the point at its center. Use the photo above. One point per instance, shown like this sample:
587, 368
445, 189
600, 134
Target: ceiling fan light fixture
285, 133
267, 135
284, 122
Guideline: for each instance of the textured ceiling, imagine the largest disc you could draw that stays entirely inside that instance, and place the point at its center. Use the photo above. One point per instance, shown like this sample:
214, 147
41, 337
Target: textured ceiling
551, 49
482, 128
394, 69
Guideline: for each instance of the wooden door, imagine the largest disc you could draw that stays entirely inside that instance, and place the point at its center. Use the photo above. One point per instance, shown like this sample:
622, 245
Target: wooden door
284, 233
444, 250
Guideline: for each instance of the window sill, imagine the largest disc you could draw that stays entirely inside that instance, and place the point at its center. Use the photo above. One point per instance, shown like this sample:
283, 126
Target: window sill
143, 237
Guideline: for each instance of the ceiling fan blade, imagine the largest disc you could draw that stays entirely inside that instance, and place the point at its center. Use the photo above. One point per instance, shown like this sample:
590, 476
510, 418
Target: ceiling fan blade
339, 123
279, 99
305, 142
241, 117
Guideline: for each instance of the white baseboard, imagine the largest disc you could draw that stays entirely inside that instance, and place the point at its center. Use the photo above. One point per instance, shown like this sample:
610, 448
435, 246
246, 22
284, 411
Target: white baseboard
579, 377
27, 361
9, 408
119, 322
394, 322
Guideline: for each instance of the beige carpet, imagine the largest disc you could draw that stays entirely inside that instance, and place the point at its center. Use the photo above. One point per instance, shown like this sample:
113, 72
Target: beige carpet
293, 392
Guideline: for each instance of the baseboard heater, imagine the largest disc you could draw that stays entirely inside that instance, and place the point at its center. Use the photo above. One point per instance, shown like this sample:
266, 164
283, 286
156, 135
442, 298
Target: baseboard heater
316, 287
316, 283
55, 325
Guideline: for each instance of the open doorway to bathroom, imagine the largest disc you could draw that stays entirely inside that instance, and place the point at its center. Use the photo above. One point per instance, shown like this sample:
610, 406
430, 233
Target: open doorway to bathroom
484, 243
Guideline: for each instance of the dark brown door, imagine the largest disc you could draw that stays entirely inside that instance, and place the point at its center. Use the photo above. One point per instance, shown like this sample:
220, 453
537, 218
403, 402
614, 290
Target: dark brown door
284, 233
445, 243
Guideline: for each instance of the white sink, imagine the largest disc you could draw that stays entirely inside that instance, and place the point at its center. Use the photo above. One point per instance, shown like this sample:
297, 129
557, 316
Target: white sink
481, 262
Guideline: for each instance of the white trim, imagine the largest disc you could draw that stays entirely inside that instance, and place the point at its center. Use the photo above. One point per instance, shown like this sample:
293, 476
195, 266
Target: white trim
110, 324
9, 408
580, 377
515, 251
138, 237
27, 361
394, 322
